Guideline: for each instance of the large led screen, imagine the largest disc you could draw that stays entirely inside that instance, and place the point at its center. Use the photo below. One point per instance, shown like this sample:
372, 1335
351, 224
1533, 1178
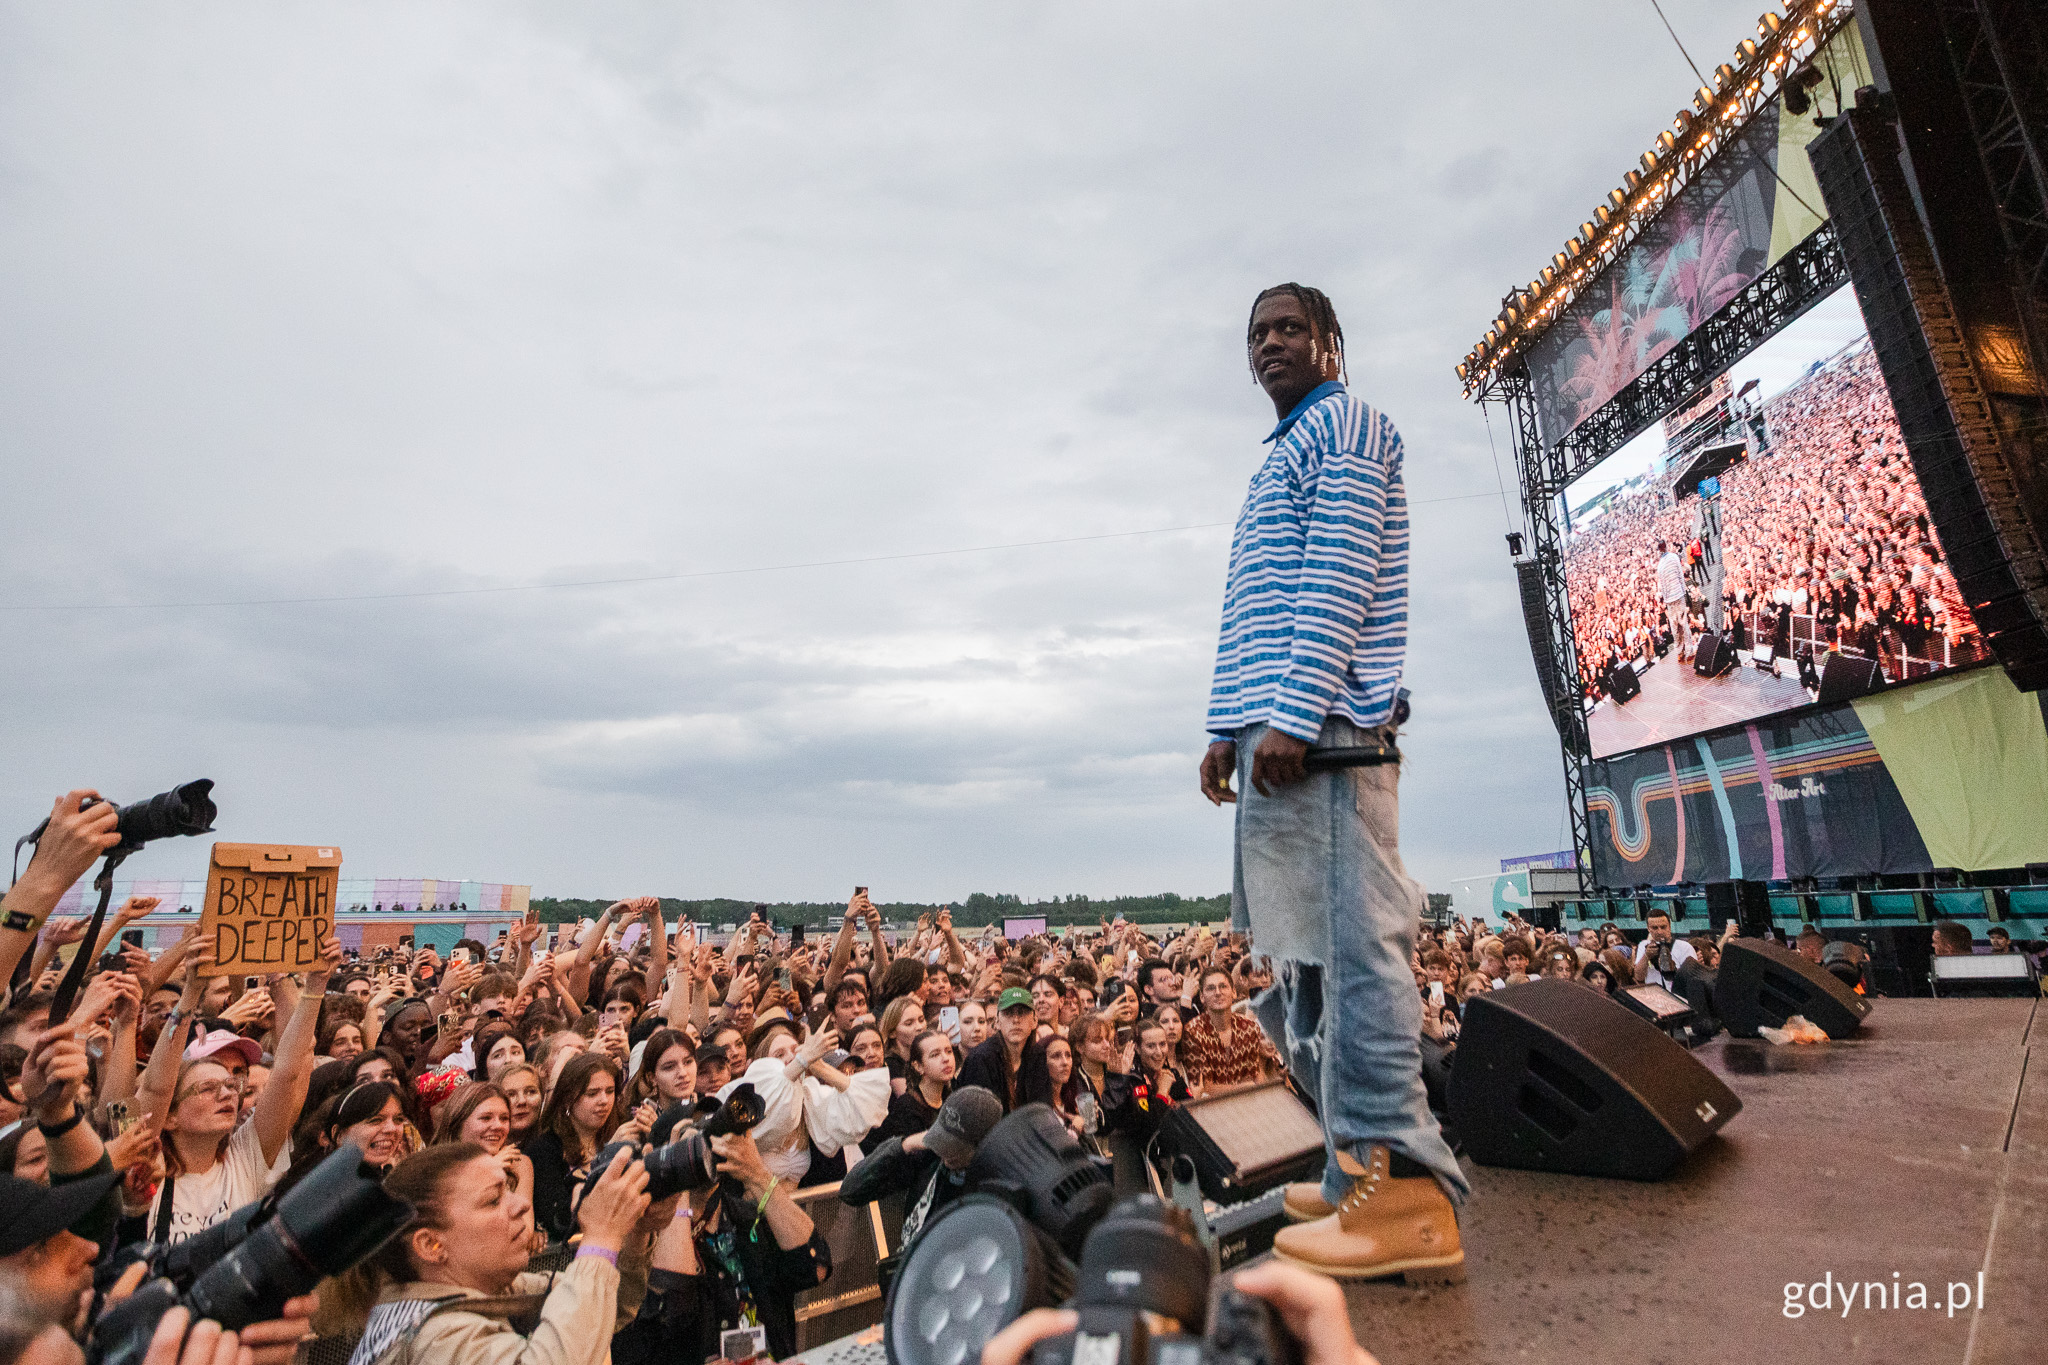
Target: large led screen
1784, 517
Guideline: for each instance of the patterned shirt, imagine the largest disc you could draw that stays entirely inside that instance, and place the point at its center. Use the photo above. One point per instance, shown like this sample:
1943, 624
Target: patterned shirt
1212, 1061
1315, 610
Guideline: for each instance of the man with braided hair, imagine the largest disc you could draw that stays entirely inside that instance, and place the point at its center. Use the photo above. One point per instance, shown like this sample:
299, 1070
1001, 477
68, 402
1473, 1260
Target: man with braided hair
1314, 634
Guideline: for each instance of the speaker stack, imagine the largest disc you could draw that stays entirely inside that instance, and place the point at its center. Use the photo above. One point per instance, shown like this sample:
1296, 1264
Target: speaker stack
1551, 1076
1623, 684
1748, 903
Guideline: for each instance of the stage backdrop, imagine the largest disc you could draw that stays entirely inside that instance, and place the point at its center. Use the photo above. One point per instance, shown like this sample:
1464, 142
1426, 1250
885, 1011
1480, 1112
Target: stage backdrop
1947, 773
1717, 235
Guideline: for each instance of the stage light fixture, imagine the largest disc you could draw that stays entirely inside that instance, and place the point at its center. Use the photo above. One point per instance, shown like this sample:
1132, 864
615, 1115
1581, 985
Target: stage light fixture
1630, 180
977, 1268
1767, 25
1724, 76
1702, 100
1746, 49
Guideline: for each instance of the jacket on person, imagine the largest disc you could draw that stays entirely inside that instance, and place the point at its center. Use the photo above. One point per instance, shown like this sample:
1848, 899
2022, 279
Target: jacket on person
572, 1316
926, 1183
988, 1066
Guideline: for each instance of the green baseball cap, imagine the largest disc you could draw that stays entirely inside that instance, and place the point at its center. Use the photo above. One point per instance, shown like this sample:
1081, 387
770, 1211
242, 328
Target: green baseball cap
1014, 998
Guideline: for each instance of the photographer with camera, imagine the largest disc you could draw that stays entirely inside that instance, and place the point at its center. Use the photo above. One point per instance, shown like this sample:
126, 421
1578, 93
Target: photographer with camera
453, 1287
736, 1254
1659, 956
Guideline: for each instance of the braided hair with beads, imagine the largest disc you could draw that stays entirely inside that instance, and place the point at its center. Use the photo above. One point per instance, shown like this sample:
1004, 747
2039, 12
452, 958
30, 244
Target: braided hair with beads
1327, 334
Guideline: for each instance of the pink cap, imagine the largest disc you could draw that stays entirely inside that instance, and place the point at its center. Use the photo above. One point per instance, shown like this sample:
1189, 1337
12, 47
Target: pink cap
219, 1041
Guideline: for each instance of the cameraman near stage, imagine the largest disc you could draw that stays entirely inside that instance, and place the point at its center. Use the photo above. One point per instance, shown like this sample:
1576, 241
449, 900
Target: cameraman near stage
731, 1256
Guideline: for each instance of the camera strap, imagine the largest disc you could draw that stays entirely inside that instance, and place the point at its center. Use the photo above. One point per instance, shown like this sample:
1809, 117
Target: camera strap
162, 1231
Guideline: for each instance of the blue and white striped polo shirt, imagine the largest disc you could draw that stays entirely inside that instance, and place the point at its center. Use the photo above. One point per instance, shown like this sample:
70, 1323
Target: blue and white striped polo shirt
1315, 612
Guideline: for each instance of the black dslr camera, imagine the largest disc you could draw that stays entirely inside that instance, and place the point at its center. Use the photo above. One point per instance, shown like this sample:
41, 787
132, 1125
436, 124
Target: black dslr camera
181, 810
688, 1163
1143, 1287
243, 1270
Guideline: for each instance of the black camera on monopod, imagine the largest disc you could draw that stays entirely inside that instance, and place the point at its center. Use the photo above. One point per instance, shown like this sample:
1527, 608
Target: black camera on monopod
688, 1163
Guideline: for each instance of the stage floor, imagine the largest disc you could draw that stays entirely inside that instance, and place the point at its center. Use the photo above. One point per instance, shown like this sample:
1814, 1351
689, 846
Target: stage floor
1918, 1147
1677, 701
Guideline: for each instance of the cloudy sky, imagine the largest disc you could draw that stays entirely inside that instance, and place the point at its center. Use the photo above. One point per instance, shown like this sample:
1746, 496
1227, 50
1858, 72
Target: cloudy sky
317, 301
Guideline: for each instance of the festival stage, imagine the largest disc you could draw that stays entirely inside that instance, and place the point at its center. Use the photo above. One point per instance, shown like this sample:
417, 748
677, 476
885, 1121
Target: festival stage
1677, 701
1920, 1146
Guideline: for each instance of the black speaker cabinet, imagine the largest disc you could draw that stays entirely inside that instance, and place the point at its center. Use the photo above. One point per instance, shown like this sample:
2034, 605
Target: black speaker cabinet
1624, 685
1761, 984
1844, 679
1551, 1076
1713, 657
1748, 903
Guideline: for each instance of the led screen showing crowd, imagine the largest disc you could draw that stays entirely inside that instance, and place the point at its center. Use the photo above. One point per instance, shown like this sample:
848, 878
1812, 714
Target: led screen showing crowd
1823, 544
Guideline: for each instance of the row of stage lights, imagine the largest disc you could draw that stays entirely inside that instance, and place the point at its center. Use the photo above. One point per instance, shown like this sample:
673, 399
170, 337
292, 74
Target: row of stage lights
1718, 111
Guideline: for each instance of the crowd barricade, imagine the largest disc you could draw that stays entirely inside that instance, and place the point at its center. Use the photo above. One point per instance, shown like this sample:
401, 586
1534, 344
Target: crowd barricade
1892, 657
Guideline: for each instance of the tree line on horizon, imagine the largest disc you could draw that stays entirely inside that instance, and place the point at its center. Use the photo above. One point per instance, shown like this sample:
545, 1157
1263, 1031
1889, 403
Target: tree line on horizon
1166, 907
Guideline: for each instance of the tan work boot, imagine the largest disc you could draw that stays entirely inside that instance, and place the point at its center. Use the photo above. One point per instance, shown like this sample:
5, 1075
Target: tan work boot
1383, 1226
1305, 1201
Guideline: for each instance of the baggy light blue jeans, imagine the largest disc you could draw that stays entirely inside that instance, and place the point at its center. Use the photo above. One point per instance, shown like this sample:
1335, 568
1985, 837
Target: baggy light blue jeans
1319, 884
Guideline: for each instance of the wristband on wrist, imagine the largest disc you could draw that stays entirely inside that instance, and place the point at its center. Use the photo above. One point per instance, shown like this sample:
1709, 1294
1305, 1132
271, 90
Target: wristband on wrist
603, 1253
60, 1129
21, 921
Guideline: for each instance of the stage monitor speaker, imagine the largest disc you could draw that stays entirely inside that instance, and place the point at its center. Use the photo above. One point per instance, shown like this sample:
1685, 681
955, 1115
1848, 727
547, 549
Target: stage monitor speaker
1761, 985
1245, 1141
1844, 679
1748, 903
1623, 684
1551, 1076
1713, 657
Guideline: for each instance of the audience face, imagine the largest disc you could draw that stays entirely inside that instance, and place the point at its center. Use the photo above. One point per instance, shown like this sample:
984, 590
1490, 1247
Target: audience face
32, 1156
382, 1135
359, 988
253, 1080
507, 1051
852, 1005
908, 1025
1163, 986
208, 1103
973, 1024
522, 1093
1811, 946
594, 1105
675, 1075
1018, 1024
867, 1046
617, 1014
935, 1060
1170, 1020
376, 1069
1218, 995
712, 1074
1059, 1060
1045, 1001
1154, 1052
487, 1227
346, 1044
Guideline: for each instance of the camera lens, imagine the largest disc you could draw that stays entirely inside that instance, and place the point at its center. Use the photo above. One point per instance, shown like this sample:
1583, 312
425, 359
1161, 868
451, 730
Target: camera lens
181, 810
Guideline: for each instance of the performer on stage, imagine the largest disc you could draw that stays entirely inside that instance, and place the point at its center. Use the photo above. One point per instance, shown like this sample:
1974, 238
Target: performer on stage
1315, 616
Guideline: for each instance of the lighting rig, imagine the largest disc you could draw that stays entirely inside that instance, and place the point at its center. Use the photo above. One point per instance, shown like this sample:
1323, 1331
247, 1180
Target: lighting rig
1779, 58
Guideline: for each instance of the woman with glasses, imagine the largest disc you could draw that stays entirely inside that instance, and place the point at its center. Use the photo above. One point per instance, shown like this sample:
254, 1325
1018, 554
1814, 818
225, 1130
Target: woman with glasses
213, 1164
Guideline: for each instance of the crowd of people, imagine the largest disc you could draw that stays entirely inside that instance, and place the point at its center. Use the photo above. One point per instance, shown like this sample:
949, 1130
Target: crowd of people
1827, 528
486, 1084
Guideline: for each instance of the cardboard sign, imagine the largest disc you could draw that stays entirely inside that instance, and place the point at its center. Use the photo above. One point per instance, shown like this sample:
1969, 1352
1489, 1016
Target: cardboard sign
269, 907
